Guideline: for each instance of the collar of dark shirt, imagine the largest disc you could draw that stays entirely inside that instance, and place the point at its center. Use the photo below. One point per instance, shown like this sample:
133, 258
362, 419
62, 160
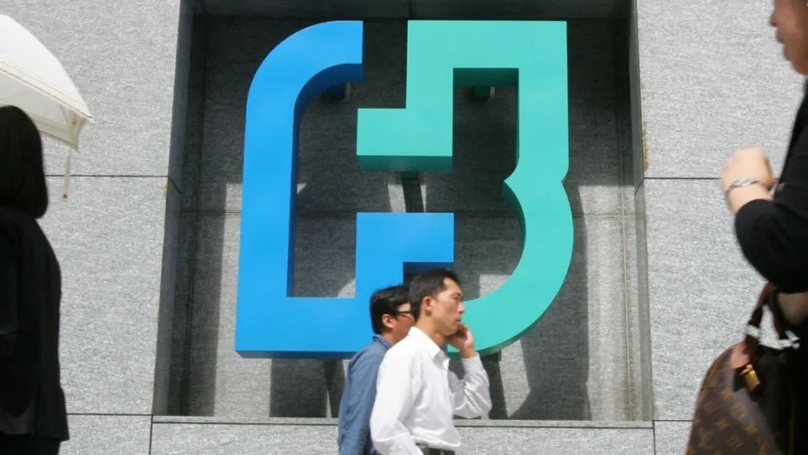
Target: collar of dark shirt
382, 340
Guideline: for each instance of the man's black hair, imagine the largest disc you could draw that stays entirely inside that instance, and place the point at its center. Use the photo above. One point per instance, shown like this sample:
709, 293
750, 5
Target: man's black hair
386, 301
428, 284
22, 175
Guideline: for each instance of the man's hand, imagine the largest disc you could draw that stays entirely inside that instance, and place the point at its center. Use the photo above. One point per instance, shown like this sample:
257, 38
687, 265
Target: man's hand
751, 163
463, 341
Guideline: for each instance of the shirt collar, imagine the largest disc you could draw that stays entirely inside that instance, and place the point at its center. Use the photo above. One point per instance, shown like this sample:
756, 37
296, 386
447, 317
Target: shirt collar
382, 340
423, 339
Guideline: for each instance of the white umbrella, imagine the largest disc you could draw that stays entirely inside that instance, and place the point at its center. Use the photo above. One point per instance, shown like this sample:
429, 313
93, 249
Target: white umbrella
33, 79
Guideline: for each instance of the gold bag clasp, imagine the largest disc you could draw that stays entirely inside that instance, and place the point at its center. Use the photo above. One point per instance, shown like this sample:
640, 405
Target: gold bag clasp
751, 378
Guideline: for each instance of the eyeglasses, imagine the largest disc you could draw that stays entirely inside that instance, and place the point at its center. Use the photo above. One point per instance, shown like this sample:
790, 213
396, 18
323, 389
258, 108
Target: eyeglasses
403, 312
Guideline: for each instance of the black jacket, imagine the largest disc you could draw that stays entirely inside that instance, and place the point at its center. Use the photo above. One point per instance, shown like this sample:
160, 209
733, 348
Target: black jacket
31, 396
774, 238
774, 234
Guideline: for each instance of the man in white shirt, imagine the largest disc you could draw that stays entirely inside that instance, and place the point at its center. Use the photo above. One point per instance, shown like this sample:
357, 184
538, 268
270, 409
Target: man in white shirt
416, 394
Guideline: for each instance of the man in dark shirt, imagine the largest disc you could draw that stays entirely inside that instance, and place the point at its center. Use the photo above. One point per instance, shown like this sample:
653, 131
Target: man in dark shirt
391, 318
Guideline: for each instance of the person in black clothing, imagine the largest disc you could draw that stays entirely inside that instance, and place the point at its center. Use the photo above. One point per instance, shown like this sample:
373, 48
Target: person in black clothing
33, 416
771, 215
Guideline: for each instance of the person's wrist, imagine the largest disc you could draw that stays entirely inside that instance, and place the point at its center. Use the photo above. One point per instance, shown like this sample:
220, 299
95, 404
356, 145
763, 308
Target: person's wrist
743, 182
468, 352
735, 173
739, 197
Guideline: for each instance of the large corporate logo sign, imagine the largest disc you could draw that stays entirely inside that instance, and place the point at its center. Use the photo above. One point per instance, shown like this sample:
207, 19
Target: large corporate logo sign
440, 55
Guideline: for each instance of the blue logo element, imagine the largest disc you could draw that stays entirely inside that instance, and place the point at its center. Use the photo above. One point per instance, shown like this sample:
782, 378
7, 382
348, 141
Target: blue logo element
440, 54
270, 323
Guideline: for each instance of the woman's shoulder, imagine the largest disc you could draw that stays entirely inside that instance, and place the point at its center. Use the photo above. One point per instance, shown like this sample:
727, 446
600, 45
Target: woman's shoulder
17, 227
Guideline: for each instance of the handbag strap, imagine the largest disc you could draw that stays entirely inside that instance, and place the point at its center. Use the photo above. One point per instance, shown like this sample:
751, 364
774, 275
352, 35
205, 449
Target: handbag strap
757, 314
767, 298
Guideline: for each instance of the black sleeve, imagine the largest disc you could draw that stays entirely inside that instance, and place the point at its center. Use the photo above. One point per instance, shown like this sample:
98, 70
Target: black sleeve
773, 235
9, 323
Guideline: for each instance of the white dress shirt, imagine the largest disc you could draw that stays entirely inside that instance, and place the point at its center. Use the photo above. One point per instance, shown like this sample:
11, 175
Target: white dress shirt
417, 397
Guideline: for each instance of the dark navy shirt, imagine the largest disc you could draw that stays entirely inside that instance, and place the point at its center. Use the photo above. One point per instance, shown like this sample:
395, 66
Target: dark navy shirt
358, 397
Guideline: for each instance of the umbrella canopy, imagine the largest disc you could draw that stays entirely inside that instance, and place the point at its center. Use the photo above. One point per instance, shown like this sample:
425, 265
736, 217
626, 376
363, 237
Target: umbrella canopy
32, 79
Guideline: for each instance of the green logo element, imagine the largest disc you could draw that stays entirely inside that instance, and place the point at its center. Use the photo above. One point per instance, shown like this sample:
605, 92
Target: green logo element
531, 56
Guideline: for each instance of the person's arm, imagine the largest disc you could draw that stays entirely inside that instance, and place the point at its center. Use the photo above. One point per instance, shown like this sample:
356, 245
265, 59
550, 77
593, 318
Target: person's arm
9, 322
363, 375
773, 232
471, 395
395, 391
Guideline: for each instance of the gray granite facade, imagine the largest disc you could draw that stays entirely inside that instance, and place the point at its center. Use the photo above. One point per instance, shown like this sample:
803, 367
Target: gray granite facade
660, 96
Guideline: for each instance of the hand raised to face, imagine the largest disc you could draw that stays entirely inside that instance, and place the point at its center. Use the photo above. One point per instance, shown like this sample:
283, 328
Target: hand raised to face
463, 341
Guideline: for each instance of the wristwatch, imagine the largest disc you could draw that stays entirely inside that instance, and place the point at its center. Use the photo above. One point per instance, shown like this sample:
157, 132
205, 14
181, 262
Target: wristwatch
740, 183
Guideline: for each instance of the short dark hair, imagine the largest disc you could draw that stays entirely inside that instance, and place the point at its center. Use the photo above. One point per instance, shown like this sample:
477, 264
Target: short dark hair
386, 301
22, 174
428, 284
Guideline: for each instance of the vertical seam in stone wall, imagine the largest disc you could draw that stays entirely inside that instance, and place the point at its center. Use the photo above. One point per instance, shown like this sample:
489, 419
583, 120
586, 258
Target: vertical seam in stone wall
187, 351
618, 63
638, 145
634, 52
638, 139
151, 433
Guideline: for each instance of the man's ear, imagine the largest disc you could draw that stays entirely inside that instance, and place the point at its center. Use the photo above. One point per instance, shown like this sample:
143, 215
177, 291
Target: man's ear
387, 321
426, 304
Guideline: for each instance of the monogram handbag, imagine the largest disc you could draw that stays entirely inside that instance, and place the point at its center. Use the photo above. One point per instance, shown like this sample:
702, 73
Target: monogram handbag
747, 402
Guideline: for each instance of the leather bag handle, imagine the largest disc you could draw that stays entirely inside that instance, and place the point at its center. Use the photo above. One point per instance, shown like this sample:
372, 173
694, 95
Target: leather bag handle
747, 350
767, 298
